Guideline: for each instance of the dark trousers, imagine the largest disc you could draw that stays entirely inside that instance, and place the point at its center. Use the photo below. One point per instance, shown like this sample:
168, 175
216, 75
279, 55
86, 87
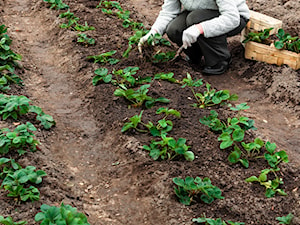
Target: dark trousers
213, 49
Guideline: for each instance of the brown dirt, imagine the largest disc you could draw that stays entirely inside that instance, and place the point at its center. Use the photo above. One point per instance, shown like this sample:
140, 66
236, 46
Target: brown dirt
106, 174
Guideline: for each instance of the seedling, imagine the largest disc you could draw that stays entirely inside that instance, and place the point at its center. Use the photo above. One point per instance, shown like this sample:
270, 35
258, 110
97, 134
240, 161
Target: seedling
260, 37
133, 41
16, 178
274, 159
9, 221
169, 148
65, 214
189, 188
167, 77
219, 221
14, 106
139, 97
286, 41
104, 58
163, 125
84, 39
73, 22
57, 4
285, 219
20, 140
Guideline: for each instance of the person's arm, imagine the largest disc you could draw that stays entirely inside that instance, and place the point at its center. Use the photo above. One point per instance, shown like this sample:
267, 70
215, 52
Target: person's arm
170, 9
228, 20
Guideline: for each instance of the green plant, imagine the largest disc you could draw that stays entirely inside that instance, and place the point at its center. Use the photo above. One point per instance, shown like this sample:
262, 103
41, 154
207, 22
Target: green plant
14, 106
73, 22
285, 219
286, 41
260, 37
7, 57
20, 139
84, 39
166, 76
104, 58
219, 221
63, 215
163, 125
189, 188
9, 221
133, 41
169, 148
274, 159
139, 97
57, 4
16, 178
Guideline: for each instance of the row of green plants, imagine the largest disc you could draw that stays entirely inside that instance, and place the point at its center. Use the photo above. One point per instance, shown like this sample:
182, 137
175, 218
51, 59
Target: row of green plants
282, 40
21, 183
231, 131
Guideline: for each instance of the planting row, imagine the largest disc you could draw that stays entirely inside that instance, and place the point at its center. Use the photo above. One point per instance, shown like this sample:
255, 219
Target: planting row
20, 183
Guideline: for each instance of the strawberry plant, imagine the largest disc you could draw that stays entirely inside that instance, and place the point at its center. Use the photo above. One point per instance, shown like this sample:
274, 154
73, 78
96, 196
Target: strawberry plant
274, 159
166, 76
73, 22
219, 221
169, 148
189, 188
287, 42
260, 37
9, 221
21, 139
139, 97
14, 106
65, 214
84, 39
133, 41
104, 58
285, 219
7, 57
57, 4
163, 125
123, 77
16, 179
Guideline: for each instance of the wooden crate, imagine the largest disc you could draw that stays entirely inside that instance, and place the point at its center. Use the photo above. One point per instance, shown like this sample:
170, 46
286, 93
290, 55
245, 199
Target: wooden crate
271, 55
259, 22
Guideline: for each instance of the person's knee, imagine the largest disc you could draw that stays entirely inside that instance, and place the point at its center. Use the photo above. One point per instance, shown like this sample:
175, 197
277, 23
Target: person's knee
200, 15
174, 33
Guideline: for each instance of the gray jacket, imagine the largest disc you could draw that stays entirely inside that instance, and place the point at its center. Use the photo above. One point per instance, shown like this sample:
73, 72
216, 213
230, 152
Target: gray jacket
230, 12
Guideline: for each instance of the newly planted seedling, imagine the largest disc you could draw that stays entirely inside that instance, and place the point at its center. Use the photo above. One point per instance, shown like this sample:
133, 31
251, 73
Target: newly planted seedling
57, 4
274, 159
139, 97
260, 37
9, 221
285, 219
84, 39
15, 106
189, 188
16, 179
73, 22
219, 221
169, 148
104, 58
133, 42
64, 215
166, 76
20, 140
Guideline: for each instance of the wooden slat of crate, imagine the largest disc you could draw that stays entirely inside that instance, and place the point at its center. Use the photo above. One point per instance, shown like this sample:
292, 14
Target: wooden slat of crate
271, 55
259, 22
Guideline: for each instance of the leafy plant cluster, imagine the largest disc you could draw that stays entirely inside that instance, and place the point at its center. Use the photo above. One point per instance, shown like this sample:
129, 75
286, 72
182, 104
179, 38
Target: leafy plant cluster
8, 62
18, 181
57, 4
283, 41
210, 221
64, 215
9, 221
15, 106
20, 139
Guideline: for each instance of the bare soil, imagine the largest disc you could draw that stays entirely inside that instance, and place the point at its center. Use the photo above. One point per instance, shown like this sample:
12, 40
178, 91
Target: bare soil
106, 174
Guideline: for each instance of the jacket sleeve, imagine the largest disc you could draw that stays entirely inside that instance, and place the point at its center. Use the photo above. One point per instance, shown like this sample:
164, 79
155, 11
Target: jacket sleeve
228, 20
170, 9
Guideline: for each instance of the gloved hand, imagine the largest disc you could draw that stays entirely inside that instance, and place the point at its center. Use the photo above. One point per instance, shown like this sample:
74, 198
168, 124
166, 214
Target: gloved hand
145, 38
190, 36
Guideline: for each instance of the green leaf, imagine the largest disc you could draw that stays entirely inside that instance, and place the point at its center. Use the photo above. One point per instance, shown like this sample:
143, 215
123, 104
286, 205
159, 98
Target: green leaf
252, 179
189, 156
270, 147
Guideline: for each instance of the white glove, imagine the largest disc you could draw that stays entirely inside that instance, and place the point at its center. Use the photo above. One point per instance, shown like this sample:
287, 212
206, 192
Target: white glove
145, 38
190, 36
